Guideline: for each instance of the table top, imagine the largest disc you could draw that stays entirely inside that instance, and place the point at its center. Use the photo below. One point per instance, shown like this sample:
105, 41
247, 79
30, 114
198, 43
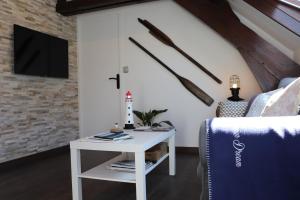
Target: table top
141, 141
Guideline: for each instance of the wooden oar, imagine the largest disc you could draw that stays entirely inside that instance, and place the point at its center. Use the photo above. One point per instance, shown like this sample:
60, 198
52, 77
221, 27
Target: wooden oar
189, 85
158, 34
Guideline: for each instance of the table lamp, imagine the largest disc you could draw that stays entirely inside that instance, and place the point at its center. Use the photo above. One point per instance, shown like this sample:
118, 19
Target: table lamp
234, 83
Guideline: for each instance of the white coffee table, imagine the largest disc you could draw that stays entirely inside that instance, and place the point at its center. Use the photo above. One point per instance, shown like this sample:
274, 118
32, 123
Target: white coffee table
141, 142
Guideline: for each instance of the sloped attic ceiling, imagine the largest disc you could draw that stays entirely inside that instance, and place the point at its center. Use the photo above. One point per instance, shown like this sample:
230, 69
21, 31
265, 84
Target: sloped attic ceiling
267, 63
286, 15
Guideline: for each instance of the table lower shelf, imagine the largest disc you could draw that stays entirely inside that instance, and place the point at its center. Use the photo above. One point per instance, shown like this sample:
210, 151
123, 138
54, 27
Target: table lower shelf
102, 172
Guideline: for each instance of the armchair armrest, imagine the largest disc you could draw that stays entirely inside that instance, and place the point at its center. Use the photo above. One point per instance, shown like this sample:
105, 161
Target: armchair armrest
259, 125
251, 125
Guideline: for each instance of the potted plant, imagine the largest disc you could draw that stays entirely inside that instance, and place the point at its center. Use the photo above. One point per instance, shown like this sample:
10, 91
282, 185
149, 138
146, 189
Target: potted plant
147, 118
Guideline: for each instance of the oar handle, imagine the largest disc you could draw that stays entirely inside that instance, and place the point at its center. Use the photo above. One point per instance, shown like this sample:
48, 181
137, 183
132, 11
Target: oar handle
198, 64
153, 56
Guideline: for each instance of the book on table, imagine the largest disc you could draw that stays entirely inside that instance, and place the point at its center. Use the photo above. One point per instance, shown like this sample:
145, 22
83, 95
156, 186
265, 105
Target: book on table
112, 136
127, 165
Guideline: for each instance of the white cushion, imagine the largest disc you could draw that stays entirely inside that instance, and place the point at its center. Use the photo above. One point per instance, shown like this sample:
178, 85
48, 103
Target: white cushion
284, 103
260, 102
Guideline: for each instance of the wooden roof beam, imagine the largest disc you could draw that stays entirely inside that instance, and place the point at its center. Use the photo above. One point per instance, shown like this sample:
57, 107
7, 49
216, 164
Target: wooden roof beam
74, 7
283, 14
266, 62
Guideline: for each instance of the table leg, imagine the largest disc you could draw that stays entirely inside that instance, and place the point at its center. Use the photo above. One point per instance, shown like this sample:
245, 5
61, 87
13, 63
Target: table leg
76, 170
140, 176
172, 159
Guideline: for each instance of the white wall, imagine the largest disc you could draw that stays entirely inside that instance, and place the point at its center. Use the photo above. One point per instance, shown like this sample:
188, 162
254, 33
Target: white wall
155, 88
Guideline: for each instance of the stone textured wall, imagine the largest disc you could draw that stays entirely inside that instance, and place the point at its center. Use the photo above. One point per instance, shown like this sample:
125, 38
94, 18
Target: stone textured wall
36, 114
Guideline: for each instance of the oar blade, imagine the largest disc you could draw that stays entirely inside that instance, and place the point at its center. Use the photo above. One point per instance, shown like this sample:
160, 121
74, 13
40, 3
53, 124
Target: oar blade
155, 32
196, 91
159, 35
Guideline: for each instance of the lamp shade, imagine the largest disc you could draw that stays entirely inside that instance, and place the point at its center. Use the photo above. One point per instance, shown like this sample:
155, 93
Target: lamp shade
234, 81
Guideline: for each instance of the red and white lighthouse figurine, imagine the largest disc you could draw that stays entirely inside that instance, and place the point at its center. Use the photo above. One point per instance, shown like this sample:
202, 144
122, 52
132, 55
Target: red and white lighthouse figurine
129, 123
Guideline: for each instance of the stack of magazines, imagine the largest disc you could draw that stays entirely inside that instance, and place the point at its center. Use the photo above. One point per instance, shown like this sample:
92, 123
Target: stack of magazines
127, 165
112, 136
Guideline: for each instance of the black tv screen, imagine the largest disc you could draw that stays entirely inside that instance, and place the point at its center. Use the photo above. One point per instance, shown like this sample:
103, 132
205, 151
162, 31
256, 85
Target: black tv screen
40, 54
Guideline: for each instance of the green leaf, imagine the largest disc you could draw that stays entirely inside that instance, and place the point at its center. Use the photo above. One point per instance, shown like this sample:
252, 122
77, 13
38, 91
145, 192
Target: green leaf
138, 114
148, 117
156, 112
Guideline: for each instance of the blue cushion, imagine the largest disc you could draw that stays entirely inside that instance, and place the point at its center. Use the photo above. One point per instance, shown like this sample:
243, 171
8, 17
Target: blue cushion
286, 81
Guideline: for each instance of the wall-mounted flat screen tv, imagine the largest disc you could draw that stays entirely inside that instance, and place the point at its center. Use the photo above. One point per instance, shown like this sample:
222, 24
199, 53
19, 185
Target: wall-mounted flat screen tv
39, 54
